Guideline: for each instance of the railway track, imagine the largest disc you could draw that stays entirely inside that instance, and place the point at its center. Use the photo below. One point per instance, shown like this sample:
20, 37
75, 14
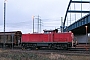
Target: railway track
59, 52
73, 51
70, 49
46, 53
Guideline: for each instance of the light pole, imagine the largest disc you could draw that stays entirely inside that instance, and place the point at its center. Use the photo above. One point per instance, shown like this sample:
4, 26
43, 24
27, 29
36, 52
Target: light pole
62, 24
86, 35
39, 23
33, 23
4, 22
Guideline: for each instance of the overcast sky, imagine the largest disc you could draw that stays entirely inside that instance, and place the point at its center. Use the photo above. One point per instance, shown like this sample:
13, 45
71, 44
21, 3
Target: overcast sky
19, 14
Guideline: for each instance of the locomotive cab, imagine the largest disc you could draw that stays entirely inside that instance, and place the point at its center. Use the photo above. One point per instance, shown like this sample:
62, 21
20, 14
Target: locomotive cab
51, 31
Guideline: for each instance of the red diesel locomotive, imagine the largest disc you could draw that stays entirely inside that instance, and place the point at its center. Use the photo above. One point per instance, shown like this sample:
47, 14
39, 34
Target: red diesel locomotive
50, 39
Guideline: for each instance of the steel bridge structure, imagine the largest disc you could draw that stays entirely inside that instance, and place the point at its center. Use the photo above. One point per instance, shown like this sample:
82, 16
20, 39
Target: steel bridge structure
79, 25
77, 20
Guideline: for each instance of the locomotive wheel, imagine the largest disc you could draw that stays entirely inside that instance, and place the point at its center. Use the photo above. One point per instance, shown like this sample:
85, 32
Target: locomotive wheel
65, 47
38, 47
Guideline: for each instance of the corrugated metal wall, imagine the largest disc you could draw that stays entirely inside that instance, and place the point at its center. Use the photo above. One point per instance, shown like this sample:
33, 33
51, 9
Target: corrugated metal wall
82, 38
89, 39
